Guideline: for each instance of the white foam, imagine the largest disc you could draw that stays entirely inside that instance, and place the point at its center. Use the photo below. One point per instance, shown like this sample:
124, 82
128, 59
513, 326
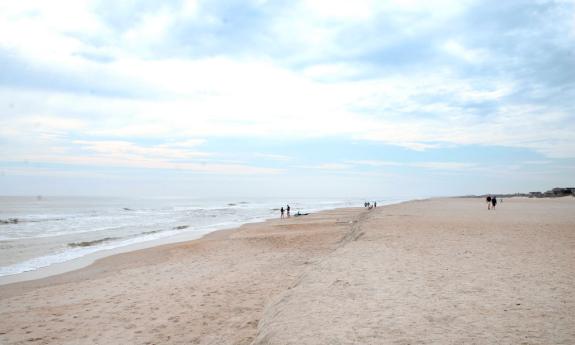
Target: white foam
130, 227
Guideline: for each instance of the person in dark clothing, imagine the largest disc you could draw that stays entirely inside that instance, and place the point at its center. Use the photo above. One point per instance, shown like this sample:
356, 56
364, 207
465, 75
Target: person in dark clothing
282, 211
287, 209
488, 199
494, 201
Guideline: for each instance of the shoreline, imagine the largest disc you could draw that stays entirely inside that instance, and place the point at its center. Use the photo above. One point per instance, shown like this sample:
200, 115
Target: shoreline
90, 259
208, 290
61, 260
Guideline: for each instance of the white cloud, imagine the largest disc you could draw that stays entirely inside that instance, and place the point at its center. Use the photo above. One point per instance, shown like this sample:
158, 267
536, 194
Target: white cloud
273, 157
418, 146
235, 99
128, 150
538, 162
131, 161
375, 163
257, 96
444, 165
458, 50
190, 8
328, 166
332, 71
189, 143
342, 9
41, 30
151, 28
38, 171
424, 165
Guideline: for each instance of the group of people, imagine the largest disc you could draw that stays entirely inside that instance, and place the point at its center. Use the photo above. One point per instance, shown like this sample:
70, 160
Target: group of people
286, 210
369, 205
491, 202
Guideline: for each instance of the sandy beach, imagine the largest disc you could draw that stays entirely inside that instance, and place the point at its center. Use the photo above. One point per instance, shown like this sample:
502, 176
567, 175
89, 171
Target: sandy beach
441, 271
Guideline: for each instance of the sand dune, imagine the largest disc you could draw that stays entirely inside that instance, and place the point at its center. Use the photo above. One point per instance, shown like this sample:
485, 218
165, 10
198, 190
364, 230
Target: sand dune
443, 271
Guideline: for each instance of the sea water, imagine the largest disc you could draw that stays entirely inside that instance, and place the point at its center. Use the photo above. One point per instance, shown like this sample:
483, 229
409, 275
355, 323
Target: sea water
38, 232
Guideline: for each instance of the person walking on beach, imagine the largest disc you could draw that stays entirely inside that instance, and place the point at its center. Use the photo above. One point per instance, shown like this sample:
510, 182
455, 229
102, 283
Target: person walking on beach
494, 201
282, 212
488, 199
374, 204
287, 209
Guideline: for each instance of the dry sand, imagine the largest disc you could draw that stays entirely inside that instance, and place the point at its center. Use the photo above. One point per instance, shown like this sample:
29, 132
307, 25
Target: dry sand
443, 271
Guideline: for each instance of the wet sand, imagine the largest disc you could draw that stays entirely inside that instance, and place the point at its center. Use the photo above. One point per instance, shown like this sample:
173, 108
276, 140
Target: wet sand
442, 271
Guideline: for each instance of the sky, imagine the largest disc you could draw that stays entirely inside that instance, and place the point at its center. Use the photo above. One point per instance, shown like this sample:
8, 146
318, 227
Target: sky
299, 98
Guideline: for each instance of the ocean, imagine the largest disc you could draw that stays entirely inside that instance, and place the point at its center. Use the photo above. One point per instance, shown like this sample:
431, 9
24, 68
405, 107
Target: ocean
37, 232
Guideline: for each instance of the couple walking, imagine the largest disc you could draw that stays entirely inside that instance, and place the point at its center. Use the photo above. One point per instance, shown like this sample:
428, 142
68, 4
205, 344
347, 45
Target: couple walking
491, 202
287, 209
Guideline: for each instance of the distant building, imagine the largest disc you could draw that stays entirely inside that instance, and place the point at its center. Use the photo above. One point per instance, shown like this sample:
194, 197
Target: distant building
562, 191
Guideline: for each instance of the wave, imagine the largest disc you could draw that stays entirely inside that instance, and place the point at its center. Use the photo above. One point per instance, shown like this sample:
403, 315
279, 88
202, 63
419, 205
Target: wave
151, 232
10, 221
110, 239
79, 249
180, 227
19, 220
93, 243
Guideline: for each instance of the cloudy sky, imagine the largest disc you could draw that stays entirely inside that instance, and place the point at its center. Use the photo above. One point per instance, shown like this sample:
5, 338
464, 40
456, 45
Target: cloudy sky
286, 98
